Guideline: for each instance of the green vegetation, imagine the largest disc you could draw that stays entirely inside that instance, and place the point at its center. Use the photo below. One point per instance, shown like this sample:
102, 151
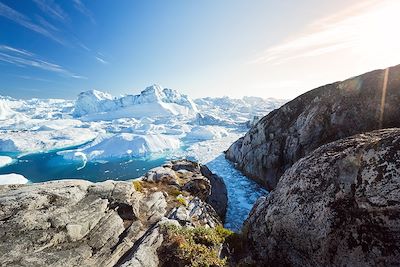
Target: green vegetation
138, 186
199, 246
182, 201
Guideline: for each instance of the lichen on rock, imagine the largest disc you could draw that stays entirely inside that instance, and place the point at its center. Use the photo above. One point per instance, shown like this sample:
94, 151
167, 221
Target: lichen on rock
338, 206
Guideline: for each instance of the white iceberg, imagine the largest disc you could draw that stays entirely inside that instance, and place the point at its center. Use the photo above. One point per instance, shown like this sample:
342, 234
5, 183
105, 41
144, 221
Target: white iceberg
206, 133
151, 102
9, 115
12, 178
42, 141
4, 161
123, 145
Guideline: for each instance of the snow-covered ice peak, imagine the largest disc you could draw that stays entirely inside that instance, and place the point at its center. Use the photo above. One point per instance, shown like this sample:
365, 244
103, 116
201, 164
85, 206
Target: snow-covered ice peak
5, 110
166, 101
92, 101
153, 93
95, 94
8, 115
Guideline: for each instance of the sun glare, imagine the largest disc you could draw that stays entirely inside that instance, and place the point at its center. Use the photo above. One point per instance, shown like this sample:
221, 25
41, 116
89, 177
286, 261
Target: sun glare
378, 33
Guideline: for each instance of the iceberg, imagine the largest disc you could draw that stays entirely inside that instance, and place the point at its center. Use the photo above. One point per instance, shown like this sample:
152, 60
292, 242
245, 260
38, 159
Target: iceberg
155, 121
124, 145
43, 140
151, 102
7, 114
201, 133
4, 161
12, 178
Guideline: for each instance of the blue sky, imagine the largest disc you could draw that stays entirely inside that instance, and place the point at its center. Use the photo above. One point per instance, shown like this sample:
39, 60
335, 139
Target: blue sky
57, 49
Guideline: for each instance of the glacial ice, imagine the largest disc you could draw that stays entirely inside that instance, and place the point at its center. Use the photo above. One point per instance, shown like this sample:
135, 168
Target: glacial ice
156, 124
30, 141
202, 133
123, 145
151, 102
12, 178
40, 125
5, 160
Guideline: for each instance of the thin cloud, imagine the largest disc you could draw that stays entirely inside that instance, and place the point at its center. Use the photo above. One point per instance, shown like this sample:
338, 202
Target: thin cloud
101, 60
24, 21
47, 24
23, 58
84, 46
15, 50
26, 77
80, 6
337, 32
52, 9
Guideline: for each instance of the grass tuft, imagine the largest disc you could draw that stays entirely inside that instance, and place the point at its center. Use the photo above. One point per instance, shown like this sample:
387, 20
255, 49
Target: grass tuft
199, 246
182, 201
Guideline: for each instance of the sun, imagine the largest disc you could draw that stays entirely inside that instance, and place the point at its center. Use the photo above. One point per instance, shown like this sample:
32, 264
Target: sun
377, 33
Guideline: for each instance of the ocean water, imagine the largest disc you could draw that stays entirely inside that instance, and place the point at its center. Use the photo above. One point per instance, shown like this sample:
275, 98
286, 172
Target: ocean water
242, 192
43, 167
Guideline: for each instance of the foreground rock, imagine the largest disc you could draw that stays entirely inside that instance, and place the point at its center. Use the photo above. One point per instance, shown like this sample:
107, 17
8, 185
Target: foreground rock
339, 206
79, 223
315, 118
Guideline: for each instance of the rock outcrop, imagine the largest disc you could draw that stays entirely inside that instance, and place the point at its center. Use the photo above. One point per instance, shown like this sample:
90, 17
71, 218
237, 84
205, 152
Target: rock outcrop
79, 223
361, 104
338, 206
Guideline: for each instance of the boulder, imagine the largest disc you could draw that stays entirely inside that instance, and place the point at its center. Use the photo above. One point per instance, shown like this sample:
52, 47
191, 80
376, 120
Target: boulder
328, 113
217, 197
112, 223
338, 206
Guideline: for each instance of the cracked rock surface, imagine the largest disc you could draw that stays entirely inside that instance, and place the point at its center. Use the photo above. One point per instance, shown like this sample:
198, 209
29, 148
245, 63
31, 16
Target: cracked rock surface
320, 116
79, 223
338, 206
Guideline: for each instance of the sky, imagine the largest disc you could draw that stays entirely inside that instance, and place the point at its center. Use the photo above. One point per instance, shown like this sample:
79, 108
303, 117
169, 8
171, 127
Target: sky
267, 48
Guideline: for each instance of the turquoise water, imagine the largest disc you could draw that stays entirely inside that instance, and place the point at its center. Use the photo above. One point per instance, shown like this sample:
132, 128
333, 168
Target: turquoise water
43, 167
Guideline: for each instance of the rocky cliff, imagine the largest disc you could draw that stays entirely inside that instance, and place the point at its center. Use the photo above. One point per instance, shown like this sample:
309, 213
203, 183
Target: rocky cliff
331, 112
338, 206
79, 223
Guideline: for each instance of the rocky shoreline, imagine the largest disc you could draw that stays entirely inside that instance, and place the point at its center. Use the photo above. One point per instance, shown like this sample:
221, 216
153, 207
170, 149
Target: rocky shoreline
315, 118
334, 177
79, 223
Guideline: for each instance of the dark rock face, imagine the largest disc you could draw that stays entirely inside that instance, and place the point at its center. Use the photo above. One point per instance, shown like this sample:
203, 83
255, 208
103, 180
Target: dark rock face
315, 118
338, 206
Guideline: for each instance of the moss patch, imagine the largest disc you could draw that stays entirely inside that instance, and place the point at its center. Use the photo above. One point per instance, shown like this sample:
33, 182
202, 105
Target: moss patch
137, 185
199, 246
182, 201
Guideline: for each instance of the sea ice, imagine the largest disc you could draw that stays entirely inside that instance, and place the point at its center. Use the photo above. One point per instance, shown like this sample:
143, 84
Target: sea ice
12, 178
4, 161
111, 146
41, 141
206, 133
